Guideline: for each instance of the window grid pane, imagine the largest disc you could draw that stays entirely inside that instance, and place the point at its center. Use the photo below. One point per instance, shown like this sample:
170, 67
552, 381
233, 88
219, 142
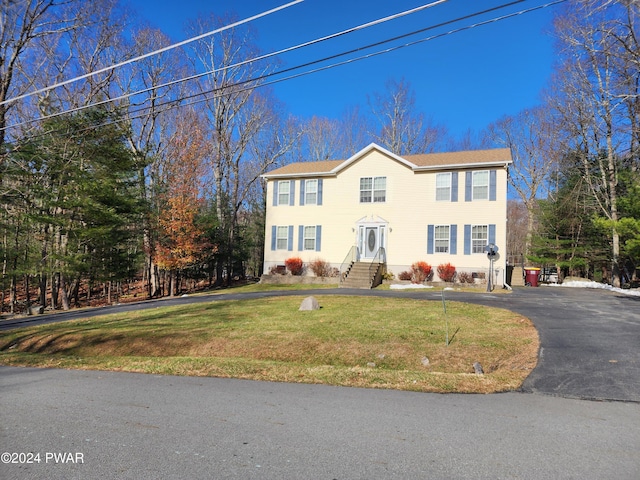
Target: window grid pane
311, 192
443, 186
366, 185
380, 189
481, 185
282, 238
310, 238
283, 193
441, 236
479, 238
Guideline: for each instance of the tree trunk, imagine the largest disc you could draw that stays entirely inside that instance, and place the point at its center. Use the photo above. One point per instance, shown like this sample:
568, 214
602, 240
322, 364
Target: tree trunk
43, 290
173, 278
55, 286
27, 293
75, 292
64, 293
13, 292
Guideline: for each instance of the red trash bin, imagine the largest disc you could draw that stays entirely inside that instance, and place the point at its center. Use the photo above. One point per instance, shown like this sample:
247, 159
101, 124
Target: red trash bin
531, 275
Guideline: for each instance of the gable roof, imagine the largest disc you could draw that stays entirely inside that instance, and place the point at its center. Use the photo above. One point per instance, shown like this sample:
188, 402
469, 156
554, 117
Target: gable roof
497, 157
467, 158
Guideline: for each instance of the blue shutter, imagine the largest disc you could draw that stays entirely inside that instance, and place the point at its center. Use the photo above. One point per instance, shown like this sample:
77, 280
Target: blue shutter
492, 233
318, 237
454, 186
467, 187
274, 231
292, 192
290, 239
453, 239
302, 192
275, 193
467, 239
492, 185
319, 191
300, 237
430, 230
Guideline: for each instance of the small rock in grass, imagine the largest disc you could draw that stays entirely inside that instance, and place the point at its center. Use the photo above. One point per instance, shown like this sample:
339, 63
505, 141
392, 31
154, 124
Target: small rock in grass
309, 303
478, 368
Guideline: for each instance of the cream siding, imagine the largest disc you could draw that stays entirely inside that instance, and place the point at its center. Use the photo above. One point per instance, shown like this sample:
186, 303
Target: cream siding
409, 209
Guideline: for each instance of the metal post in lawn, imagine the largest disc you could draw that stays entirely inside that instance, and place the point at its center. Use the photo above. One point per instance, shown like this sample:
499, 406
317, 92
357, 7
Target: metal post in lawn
492, 251
446, 320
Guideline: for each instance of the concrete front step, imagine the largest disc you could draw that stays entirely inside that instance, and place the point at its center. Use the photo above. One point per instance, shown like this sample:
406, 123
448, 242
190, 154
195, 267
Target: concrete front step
359, 276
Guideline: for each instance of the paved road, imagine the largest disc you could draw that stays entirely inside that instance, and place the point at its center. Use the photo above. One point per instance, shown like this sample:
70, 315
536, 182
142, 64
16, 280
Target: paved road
130, 426
139, 427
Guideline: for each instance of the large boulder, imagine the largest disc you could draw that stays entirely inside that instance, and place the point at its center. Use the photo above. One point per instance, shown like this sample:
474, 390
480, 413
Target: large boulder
309, 303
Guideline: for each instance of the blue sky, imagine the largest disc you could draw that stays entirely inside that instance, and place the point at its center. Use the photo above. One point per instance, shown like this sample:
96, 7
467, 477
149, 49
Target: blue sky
465, 80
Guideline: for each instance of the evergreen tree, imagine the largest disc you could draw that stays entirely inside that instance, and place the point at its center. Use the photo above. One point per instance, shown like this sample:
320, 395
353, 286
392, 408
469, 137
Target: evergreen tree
77, 185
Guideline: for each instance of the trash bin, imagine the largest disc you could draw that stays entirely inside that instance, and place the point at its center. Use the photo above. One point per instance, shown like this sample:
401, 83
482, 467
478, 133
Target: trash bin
531, 276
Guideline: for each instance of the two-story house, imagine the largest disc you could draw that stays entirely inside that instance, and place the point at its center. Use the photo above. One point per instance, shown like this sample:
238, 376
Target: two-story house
376, 205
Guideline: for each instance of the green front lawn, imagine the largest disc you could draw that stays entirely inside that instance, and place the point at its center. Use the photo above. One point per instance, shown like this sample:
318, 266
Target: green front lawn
351, 341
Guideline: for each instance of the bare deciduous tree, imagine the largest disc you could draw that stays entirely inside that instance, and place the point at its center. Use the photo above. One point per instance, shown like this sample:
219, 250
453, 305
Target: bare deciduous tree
236, 114
401, 129
595, 87
22, 25
530, 137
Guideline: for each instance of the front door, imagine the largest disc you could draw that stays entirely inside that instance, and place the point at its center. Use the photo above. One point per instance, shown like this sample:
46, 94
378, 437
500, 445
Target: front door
370, 240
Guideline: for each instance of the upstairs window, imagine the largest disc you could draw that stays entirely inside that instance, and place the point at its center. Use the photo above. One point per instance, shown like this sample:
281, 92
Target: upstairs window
480, 186
311, 192
443, 186
373, 189
284, 190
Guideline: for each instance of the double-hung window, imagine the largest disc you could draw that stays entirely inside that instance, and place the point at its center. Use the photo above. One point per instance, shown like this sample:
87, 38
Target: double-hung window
282, 237
479, 238
441, 239
443, 186
373, 189
284, 190
310, 237
310, 192
481, 185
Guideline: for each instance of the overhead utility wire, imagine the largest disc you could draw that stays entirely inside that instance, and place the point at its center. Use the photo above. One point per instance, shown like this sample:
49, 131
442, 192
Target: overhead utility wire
391, 49
217, 91
175, 103
236, 65
332, 57
155, 52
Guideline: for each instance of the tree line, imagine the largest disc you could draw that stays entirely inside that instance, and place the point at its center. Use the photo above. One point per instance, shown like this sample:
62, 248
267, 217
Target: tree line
129, 174
576, 155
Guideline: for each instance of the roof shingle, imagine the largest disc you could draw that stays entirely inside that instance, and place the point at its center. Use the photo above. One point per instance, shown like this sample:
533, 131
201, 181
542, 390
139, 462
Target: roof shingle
421, 161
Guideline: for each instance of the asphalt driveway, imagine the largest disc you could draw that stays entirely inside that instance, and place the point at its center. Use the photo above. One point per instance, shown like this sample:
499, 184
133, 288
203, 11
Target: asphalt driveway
589, 338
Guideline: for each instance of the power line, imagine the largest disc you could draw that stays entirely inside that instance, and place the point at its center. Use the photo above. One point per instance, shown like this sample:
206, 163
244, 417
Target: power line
219, 91
155, 52
236, 65
363, 57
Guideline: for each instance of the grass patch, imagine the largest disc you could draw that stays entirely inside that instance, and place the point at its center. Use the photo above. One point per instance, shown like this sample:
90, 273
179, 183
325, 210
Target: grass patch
350, 341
